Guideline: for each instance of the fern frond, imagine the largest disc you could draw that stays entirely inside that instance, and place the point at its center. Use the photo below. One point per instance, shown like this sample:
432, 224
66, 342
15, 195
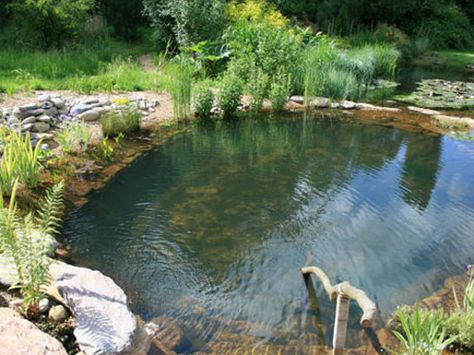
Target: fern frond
51, 210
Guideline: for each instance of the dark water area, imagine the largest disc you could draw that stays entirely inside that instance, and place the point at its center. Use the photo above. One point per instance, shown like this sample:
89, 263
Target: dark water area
211, 228
409, 77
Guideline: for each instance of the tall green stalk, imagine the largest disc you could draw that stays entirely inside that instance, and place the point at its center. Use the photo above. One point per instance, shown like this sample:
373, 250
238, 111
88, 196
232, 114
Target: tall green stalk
179, 83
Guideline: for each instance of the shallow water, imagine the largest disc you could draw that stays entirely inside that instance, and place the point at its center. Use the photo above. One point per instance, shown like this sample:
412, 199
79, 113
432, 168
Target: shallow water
212, 227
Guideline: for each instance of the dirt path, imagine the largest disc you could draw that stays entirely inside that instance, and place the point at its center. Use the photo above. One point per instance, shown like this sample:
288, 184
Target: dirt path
147, 63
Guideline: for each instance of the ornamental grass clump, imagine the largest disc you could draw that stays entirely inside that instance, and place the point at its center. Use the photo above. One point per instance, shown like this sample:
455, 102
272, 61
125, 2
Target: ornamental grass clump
178, 83
25, 242
122, 121
422, 332
20, 160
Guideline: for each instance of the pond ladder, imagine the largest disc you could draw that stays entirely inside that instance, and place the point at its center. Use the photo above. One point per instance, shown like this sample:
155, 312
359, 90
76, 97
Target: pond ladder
342, 293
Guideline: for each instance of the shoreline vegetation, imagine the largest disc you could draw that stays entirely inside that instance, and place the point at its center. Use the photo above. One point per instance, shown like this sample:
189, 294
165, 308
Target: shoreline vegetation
114, 79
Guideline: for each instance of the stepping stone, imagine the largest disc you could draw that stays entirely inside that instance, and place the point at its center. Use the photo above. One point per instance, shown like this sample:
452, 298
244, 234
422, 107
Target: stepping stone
20, 336
104, 322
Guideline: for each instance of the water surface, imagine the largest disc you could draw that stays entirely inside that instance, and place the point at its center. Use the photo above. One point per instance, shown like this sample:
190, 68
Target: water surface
212, 227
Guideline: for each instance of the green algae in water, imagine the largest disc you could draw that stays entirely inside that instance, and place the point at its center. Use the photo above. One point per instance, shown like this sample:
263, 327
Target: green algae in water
212, 227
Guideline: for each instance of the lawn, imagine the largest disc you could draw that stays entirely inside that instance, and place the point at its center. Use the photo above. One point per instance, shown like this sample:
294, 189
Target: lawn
112, 67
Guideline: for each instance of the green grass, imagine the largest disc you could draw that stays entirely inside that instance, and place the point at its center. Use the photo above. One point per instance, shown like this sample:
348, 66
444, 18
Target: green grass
111, 67
178, 83
452, 60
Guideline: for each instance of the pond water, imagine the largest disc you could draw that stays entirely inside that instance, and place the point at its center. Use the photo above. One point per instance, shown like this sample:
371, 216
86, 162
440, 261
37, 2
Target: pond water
212, 227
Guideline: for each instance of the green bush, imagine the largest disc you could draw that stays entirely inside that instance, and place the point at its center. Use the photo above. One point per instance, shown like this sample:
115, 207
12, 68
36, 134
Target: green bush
257, 88
280, 90
186, 21
262, 47
203, 100
46, 23
116, 122
230, 91
461, 325
448, 27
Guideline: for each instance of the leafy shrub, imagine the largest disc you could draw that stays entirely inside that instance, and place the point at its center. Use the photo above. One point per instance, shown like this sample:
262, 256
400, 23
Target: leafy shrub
185, 21
257, 88
460, 324
24, 241
178, 83
45, 24
280, 90
230, 91
20, 161
262, 47
422, 331
75, 136
448, 27
257, 12
203, 99
116, 122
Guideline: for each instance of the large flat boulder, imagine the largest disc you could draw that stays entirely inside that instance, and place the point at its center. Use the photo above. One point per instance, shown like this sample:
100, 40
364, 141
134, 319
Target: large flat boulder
22, 337
104, 322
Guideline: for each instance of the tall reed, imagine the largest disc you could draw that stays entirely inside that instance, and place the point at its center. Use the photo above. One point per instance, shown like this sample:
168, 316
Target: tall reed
178, 83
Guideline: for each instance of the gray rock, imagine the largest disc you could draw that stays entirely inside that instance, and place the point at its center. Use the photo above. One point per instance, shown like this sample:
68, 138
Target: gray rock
58, 314
424, 111
41, 127
12, 120
18, 114
28, 107
44, 118
298, 99
44, 97
92, 100
53, 111
104, 323
37, 112
91, 115
42, 136
46, 105
44, 305
320, 102
30, 119
27, 127
20, 336
105, 102
348, 105
58, 103
79, 108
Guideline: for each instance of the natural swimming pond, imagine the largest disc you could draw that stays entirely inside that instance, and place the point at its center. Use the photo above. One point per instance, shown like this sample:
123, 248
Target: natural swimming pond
211, 228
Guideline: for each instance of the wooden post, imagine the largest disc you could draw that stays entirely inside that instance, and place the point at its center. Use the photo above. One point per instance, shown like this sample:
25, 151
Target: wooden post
340, 324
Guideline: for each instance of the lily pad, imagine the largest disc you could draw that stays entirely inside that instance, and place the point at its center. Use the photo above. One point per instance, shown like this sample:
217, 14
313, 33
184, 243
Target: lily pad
436, 93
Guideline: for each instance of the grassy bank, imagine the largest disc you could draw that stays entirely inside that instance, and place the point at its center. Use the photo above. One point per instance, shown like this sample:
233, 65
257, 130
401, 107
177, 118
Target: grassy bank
110, 67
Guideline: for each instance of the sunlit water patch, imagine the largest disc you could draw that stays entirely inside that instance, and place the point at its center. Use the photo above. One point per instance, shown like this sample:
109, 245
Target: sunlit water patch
211, 228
